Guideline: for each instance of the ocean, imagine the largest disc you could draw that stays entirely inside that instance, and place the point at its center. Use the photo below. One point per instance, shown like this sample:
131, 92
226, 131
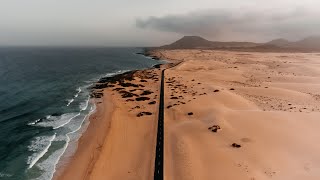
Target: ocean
44, 102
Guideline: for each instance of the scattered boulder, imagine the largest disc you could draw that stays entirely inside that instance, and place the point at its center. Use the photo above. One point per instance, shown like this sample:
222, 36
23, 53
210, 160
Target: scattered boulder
125, 94
235, 145
123, 84
96, 95
157, 66
147, 92
142, 98
144, 113
190, 113
217, 90
152, 102
214, 128
118, 89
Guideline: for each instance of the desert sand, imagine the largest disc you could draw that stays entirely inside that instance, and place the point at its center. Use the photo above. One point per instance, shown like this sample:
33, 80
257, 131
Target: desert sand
268, 103
228, 115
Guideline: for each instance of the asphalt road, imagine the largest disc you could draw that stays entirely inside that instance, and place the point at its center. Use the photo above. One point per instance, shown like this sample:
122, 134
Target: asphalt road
158, 163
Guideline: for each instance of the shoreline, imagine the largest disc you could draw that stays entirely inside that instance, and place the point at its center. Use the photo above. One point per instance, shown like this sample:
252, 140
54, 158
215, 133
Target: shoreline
89, 146
88, 143
254, 114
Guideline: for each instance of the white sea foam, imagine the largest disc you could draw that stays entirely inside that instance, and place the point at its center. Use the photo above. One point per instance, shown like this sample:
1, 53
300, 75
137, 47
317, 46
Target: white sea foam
70, 101
75, 96
79, 89
34, 122
115, 73
67, 122
40, 146
47, 165
78, 92
84, 105
57, 121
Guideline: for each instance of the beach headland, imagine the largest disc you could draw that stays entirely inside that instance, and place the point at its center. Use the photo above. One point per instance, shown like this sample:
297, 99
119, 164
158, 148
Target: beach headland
228, 115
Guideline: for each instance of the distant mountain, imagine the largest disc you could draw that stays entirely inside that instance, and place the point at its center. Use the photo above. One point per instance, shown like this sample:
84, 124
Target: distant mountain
189, 42
279, 42
196, 42
308, 43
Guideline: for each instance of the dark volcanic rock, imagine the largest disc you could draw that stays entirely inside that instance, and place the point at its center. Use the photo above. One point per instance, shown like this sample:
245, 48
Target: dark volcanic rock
128, 84
217, 90
126, 94
152, 102
144, 113
235, 145
214, 128
117, 89
147, 92
157, 66
142, 98
119, 78
190, 113
96, 94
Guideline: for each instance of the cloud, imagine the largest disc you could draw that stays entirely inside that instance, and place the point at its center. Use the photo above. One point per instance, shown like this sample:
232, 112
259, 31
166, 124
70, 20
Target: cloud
238, 24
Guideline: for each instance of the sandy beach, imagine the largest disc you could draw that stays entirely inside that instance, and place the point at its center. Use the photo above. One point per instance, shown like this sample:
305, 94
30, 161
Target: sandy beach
228, 115
120, 140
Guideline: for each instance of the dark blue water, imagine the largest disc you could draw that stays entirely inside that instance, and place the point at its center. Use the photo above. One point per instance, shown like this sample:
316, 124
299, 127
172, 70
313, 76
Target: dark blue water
44, 102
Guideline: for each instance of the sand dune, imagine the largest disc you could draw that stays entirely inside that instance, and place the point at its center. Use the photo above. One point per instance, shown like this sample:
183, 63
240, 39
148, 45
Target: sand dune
266, 103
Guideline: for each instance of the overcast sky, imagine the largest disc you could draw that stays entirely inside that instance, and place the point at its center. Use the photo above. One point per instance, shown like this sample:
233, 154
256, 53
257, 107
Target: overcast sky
153, 22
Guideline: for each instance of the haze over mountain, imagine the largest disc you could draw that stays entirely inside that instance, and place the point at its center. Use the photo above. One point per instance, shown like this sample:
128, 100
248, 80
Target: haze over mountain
197, 42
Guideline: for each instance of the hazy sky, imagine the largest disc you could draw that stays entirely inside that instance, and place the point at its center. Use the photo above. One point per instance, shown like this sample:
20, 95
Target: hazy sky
153, 22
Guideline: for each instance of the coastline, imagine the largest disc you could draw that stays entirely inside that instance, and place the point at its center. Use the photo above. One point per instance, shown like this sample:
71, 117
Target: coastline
99, 137
88, 145
243, 112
